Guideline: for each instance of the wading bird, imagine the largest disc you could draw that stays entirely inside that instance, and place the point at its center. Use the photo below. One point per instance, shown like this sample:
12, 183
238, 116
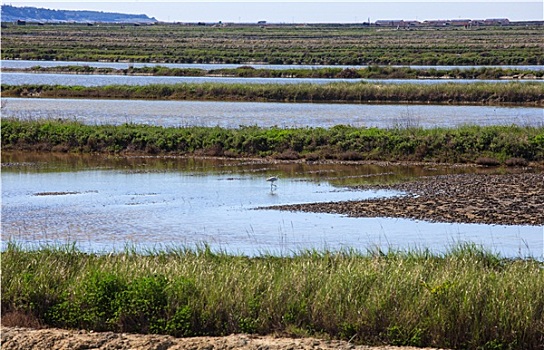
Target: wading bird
272, 180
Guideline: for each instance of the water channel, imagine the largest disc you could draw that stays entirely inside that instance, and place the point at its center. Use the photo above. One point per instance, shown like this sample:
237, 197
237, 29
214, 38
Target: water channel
108, 204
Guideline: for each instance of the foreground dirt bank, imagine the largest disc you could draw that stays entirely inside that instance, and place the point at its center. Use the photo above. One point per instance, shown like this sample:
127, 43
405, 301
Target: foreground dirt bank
510, 199
60, 339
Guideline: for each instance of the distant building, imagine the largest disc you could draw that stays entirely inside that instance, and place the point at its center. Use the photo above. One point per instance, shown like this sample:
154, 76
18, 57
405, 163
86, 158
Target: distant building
436, 23
460, 22
389, 23
466, 23
497, 21
397, 23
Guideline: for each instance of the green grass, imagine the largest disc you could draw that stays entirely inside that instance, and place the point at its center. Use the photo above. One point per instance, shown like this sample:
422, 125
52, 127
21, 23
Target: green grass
466, 298
499, 144
518, 93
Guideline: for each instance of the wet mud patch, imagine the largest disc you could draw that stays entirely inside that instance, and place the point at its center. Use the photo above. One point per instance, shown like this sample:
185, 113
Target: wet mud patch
60, 193
509, 199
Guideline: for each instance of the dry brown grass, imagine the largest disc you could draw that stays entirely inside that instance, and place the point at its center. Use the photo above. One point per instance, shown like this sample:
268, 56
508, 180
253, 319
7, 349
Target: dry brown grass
17, 318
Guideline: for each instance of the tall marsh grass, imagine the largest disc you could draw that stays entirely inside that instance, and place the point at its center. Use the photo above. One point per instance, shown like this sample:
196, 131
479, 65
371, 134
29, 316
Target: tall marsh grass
467, 298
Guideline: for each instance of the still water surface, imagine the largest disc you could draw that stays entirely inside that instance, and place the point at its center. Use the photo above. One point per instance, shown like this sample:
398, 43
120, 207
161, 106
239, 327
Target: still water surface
235, 114
103, 80
108, 204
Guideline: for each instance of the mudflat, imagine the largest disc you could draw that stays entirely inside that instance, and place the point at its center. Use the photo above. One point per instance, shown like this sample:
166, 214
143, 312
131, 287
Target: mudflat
509, 199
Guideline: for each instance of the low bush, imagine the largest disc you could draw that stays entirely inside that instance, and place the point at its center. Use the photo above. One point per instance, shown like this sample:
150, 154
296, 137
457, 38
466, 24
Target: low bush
487, 161
516, 162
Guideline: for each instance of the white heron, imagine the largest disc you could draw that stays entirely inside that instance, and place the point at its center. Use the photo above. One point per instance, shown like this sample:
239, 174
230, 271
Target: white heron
272, 180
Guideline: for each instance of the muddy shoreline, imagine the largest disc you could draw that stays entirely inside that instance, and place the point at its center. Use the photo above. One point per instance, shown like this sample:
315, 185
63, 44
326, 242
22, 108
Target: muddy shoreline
508, 199
487, 196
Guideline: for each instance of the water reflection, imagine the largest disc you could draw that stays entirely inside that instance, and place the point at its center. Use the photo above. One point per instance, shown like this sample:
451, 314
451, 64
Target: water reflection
104, 204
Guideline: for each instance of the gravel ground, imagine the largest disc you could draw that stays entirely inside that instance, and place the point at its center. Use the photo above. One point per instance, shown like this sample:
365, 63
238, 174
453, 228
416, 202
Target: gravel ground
60, 339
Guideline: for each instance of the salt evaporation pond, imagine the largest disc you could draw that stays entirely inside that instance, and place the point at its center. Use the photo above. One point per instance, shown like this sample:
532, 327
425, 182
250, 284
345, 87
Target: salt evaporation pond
152, 203
236, 114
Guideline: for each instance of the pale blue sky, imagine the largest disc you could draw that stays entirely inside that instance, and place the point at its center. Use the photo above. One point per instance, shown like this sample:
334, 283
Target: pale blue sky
305, 11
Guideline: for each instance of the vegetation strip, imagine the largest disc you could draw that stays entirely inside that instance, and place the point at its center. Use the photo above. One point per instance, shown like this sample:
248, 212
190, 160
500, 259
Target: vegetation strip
514, 93
371, 72
466, 298
513, 199
318, 44
491, 145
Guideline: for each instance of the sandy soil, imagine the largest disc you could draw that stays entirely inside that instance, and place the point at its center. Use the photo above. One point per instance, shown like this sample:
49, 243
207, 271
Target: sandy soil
509, 199
60, 339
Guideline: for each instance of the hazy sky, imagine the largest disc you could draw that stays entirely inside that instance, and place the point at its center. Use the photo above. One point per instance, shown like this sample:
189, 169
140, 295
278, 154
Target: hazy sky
305, 11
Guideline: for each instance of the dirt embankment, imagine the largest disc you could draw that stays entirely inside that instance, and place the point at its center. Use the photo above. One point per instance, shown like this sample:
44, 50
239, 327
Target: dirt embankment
60, 339
510, 199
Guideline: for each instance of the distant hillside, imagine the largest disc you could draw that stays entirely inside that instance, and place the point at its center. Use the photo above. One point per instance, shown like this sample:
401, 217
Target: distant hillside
33, 14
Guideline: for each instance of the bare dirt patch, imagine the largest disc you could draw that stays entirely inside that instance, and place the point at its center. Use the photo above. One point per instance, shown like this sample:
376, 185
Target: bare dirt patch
59, 339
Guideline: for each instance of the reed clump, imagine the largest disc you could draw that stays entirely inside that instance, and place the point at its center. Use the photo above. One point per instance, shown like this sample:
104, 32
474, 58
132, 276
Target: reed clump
466, 144
466, 298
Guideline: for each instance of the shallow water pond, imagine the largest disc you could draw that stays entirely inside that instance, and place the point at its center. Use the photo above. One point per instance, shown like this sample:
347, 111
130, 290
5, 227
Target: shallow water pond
235, 114
106, 204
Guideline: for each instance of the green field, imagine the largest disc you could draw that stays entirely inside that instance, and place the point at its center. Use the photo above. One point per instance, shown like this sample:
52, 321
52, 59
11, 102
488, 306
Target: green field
312, 44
